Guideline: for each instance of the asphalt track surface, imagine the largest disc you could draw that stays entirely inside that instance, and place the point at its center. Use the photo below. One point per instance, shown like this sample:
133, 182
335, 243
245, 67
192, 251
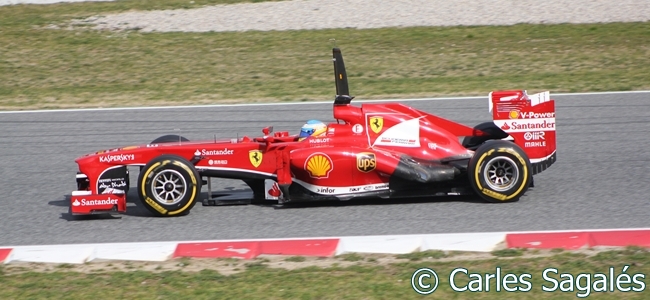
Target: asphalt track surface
601, 179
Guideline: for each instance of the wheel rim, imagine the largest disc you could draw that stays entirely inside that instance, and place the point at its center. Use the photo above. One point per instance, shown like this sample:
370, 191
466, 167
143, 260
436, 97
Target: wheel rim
501, 173
169, 187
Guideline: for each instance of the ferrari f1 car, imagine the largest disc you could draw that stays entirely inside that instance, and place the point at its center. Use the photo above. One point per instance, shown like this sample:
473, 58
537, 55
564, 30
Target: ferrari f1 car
386, 150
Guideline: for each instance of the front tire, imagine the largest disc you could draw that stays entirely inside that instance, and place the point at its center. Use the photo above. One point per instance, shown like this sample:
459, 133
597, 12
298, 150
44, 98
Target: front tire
169, 186
500, 171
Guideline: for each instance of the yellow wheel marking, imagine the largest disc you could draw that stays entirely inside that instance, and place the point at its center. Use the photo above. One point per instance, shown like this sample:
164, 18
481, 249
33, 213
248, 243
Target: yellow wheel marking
191, 174
523, 183
494, 194
155, 205
189, 171
478, 164
146, 174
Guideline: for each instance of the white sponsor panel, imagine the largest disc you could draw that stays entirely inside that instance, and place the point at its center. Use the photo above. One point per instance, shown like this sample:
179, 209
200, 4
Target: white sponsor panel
405, 134
116, 158
217, 162
272, 190
341, 190
525, 125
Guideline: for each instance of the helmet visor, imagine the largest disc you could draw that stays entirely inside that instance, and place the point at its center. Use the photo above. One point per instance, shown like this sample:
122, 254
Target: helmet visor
305, 132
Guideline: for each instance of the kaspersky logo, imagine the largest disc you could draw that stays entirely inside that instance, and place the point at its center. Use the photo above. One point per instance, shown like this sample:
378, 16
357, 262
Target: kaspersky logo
319, 165
116, 158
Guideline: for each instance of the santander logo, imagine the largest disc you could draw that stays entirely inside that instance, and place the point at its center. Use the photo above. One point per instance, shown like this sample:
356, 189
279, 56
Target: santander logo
84, 202
275, 191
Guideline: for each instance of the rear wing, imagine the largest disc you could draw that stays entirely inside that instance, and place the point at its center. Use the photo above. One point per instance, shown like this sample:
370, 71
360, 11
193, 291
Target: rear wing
530, 121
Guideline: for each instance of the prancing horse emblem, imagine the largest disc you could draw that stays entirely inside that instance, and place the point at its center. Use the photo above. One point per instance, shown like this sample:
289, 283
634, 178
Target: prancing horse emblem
255, 157
376, 124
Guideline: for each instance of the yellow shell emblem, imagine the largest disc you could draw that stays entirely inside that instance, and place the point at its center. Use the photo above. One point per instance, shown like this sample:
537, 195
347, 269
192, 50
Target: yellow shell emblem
319, 165
514, 114
255, 156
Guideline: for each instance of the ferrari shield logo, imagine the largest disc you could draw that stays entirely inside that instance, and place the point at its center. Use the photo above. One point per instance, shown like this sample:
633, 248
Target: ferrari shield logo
255, 157
376, 124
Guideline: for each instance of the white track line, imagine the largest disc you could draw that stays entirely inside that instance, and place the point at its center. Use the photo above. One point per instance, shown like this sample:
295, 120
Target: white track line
290, 103
335, 237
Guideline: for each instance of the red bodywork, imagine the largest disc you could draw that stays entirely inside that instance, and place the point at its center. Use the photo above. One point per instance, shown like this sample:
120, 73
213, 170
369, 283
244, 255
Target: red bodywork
362, 154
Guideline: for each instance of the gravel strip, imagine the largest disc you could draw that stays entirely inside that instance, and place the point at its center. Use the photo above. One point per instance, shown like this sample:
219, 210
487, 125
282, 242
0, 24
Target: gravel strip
15, 2
323, 14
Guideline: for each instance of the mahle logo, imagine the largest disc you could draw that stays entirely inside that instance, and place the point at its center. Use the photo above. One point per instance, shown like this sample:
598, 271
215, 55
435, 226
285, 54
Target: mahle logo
366, 162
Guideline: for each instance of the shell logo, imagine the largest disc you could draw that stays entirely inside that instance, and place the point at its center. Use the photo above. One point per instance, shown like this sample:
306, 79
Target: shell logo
319, 165
514, 114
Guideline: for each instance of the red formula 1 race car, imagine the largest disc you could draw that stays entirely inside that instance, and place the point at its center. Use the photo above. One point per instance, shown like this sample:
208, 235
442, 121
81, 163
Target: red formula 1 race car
375, 150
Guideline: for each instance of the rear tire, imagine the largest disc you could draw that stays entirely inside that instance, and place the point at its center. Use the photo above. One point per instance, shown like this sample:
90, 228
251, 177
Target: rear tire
500, 171
168, 186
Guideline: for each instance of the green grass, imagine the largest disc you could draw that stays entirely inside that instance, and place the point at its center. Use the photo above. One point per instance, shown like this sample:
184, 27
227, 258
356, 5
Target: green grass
416, 256
508, 252
295, 258
361, 281
42, 67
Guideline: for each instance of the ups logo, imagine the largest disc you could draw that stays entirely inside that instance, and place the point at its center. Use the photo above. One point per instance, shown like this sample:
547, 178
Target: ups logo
366, 161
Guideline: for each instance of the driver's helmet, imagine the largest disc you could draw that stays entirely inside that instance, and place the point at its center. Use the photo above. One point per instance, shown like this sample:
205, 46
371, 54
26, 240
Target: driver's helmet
313, 128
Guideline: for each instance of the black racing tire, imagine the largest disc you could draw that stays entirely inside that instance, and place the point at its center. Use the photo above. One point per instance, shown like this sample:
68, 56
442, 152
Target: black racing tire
493, 133
168, 186
500, 171
170, 138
